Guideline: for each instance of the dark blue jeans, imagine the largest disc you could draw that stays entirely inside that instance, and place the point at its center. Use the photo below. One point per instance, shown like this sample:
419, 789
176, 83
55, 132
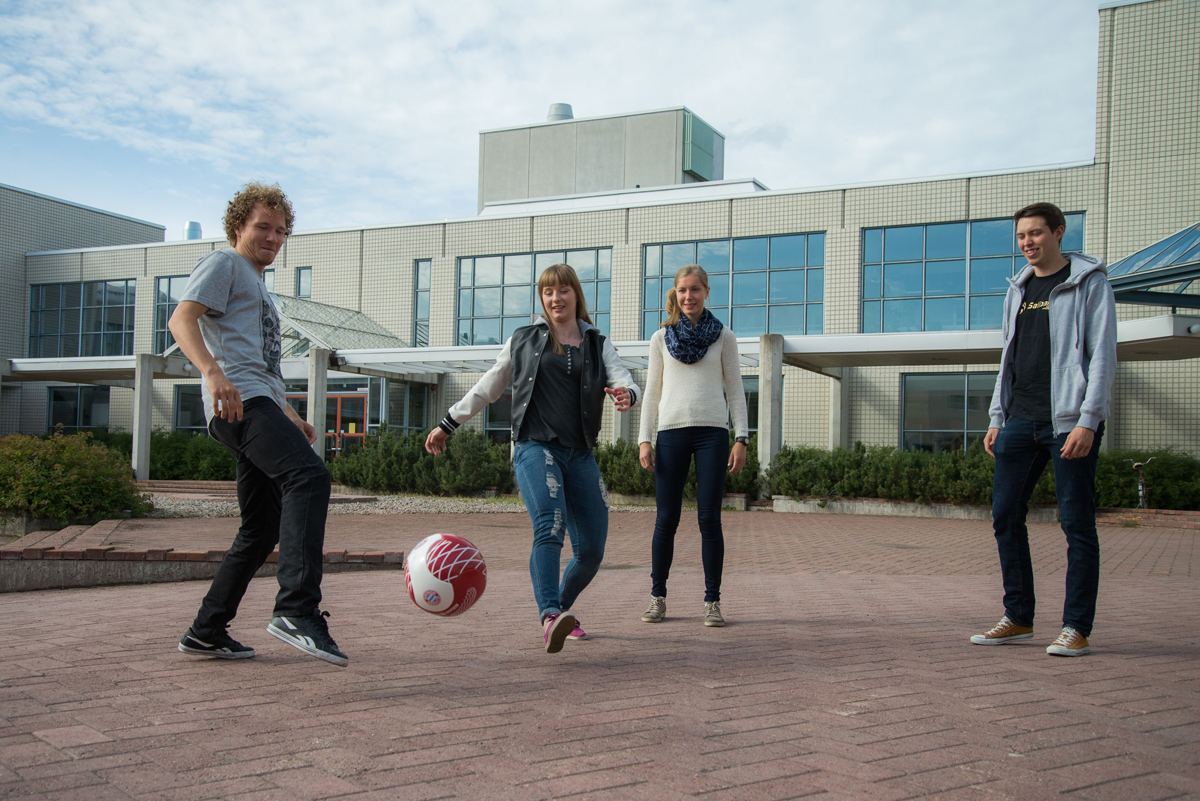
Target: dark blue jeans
564, 493
283, 492
1022, 450
672, 458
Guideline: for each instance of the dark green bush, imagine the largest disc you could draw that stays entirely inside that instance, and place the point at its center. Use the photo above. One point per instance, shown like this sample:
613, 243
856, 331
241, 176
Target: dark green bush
399, 463
623, 472
966, 478
178, 455
66, 478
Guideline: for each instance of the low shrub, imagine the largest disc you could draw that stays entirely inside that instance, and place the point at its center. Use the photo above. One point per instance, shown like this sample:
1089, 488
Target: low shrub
179, 455
66, 478
966, 477
399, 463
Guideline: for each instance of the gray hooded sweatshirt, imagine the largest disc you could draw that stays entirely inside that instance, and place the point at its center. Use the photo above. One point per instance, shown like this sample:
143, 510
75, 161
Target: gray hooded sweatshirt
1083, 346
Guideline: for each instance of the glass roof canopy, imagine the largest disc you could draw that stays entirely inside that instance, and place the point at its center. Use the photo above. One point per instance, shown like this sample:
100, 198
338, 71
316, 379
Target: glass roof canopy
1174, 261
305, 323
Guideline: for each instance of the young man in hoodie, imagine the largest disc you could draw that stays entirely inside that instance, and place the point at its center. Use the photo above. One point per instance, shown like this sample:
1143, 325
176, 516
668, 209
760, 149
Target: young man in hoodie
1051, 398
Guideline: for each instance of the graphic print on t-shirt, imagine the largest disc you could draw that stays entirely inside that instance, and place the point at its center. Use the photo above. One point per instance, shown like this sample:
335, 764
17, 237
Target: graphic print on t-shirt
272, 341
1031, 349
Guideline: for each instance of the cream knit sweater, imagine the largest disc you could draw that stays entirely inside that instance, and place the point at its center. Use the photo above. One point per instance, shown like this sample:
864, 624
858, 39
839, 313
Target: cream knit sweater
680, 395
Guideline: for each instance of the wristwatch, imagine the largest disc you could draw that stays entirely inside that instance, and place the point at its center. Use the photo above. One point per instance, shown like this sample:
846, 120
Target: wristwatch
743, 440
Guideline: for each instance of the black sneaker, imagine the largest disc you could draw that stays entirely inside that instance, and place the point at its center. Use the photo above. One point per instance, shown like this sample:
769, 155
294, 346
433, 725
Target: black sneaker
309, 634
222, 646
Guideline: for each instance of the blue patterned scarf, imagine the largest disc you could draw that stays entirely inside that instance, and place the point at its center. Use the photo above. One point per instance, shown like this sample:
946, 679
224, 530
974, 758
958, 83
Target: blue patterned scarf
688, 343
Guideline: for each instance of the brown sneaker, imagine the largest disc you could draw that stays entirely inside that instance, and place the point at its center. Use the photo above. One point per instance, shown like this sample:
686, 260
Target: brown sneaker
1069, 643
1002, 632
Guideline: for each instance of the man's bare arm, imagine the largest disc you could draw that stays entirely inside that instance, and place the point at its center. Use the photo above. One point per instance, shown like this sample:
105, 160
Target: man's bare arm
185, 327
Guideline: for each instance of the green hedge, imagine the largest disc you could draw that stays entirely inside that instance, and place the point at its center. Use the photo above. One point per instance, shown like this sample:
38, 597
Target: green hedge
623, 472
966, 478
66, 478
399, 463
179, 455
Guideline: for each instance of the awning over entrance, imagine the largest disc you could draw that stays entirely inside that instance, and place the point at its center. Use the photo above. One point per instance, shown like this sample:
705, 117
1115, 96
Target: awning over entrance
1165, 274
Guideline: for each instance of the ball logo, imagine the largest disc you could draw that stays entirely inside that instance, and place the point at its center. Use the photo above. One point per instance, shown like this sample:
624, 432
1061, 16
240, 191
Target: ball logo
432, 598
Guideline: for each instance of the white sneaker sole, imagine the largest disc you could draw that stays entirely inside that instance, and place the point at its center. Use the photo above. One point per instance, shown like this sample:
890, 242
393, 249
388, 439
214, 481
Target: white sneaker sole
216, 654
563, 625
1058, 650
979, 639
305, 647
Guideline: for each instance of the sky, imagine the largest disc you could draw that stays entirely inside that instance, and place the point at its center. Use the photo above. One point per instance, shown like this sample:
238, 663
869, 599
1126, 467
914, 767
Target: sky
368, 113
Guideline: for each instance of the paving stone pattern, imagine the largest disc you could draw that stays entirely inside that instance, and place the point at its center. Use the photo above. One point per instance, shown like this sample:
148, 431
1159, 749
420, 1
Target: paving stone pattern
844, 672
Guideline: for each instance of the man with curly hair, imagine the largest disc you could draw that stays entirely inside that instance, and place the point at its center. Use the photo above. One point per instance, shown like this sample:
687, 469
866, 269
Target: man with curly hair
227, 326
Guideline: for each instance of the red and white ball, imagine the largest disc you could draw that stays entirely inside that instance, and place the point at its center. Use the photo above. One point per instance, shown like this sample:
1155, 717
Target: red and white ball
445, 574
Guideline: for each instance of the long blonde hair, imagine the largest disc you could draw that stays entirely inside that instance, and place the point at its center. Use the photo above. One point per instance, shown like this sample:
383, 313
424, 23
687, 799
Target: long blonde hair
562, 275
673, 310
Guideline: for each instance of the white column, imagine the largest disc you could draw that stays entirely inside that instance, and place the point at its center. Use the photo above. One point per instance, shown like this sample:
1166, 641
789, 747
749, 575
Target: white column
143, 397
318, 379
839, 408
621, 424
770, 397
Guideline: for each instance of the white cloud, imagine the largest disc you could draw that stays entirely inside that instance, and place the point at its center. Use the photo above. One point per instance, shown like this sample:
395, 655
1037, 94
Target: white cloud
372, 109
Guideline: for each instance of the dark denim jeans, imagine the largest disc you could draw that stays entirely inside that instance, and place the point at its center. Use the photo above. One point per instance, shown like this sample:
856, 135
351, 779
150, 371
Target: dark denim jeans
672, 458
564, 493
1022, 450
283, 492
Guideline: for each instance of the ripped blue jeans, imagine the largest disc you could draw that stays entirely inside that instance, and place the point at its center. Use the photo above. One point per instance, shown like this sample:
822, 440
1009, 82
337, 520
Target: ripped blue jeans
563, 492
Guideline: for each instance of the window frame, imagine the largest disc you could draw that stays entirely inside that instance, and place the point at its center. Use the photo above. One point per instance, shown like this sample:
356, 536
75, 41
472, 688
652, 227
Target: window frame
179, 390
91, 322
300, 273
465, 330
163, 339
873, 273
653, 271
966, 431
419, 341
78, 391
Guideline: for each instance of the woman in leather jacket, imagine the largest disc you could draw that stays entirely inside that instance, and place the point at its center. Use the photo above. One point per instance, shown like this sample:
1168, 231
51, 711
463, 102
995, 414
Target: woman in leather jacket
559, 369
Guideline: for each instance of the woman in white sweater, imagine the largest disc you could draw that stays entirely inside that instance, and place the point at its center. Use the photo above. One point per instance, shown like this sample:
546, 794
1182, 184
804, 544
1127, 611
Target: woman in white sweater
693, 370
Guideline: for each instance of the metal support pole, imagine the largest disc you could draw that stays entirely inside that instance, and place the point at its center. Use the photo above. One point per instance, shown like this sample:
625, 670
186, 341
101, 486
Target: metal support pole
318, 379
839, 408
770, 397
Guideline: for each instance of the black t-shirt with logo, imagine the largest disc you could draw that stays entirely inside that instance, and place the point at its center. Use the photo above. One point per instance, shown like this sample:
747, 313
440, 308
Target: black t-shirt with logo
1031, 349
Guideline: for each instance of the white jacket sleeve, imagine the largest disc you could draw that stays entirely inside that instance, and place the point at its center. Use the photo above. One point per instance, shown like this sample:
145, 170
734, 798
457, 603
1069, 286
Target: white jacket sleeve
487, 389
618, 375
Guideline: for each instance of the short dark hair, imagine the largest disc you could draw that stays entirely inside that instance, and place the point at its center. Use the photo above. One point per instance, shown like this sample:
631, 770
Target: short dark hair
253, 194
1047, 211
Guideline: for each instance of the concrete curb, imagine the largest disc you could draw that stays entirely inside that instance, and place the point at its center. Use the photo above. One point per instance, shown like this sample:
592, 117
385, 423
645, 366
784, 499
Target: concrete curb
51, 568
785, 503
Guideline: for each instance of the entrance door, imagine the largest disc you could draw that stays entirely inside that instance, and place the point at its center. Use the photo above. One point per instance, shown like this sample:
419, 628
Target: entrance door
345, 420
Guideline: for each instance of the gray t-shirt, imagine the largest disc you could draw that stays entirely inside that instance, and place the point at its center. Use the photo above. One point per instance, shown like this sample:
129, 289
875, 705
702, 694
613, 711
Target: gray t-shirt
241, 328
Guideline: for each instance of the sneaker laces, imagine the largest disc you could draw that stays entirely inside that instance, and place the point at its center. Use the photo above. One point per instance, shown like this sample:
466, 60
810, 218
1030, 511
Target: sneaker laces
1004, 624
1068, 636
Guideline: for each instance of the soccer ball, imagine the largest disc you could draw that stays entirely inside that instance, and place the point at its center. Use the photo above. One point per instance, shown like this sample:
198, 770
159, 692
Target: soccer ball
445, 574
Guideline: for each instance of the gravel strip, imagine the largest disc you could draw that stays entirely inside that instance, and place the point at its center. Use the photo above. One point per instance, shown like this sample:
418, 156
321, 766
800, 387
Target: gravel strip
386, 505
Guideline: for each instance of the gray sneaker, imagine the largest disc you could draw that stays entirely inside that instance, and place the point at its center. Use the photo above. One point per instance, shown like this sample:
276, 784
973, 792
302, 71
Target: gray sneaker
712, 614
657, 611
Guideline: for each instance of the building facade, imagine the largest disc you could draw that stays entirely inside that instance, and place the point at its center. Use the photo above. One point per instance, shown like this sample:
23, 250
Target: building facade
899, 257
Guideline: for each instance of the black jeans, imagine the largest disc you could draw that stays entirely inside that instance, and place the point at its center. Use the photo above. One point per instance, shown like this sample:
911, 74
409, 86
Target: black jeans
1023, 449
283, 492
672, 458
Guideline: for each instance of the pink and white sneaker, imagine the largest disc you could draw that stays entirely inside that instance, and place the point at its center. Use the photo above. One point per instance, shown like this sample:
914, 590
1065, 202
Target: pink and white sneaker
577, 633
557, 629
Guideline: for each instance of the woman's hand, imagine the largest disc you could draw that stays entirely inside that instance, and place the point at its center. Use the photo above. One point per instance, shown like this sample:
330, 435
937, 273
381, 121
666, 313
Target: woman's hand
646, 456
737, 457
622, 400
435, 443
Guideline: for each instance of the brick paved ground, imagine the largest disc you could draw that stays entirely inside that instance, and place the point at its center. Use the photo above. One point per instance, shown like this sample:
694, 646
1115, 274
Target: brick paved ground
845, 672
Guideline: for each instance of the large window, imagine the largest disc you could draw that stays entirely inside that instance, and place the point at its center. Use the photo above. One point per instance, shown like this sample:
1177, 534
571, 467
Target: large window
407, 405
943, 277
269, 280
167, 292
758, 285
189, 409
497, 423
945, 411
88, 319
422, 270
76, 408
497, 294
303, 282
